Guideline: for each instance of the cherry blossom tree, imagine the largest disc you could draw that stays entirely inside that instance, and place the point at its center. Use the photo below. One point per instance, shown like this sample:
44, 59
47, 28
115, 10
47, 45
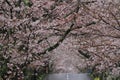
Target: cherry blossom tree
33, 31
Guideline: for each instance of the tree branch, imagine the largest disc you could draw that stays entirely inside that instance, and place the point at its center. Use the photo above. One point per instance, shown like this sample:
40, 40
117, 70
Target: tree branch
58, 43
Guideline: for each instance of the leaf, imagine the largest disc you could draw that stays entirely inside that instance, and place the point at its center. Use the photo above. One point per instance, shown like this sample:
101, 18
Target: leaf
97, 78
109, 77
27, 3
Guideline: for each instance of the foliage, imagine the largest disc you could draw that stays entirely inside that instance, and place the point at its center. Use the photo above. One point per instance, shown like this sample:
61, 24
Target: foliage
39, 34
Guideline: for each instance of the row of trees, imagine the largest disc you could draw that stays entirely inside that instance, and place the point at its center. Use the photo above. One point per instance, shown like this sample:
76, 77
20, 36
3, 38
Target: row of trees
31, 29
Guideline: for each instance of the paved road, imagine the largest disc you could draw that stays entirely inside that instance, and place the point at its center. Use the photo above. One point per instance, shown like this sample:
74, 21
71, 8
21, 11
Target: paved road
68, 76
